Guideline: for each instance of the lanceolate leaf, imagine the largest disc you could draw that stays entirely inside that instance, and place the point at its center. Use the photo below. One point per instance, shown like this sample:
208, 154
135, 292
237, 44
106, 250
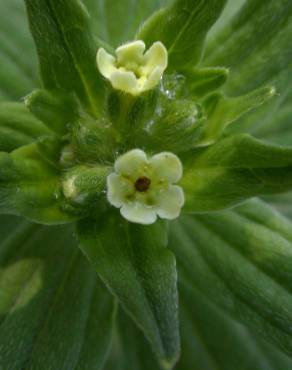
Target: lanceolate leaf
30, 184
18, 127
233, 170
241, 261
70, 64
182, 27
210, 341
140, 271
52, 309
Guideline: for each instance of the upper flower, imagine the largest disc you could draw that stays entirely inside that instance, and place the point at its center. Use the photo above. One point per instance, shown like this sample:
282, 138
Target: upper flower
143, 188
133, 71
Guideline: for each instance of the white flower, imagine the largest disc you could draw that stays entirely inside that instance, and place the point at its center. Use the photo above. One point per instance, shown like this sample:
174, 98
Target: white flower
143, 188
133, 71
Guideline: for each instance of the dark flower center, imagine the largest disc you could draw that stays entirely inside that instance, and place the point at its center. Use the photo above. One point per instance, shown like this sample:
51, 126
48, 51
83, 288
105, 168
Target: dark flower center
142, 184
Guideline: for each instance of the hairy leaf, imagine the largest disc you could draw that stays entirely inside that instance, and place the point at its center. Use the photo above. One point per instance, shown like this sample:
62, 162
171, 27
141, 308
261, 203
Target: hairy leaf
70, 64
52, 309
140, 271
241, 261
182, 28
232, 170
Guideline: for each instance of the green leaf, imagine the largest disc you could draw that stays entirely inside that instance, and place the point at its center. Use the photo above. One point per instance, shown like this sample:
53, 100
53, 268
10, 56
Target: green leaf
130, 350
211, 340
255, 45
202, 81
18, 72
110, 19
53, 310
140, 271
18, 127
241, 261
232, 170
70, 63
226, 110
182, 28
30, 185
56, 109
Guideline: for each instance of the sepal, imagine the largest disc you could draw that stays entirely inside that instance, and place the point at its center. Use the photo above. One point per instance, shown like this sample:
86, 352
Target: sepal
84, 188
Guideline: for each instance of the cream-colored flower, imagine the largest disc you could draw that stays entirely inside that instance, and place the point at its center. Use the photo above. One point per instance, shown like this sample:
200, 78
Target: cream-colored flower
131, 70
143, 187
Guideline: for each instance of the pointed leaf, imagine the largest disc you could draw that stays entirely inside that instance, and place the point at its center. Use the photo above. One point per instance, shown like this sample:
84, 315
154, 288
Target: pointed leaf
211, 340
232, 170
202, 81
182, 28
140, 271
227, 110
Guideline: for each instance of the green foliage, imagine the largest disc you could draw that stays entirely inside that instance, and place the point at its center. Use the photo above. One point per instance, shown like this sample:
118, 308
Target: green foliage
182, 27
30, 184
18, 127
18, 72
232, 170
70, 64
139, 270
50, 296
241, 260
56, 109
57, 148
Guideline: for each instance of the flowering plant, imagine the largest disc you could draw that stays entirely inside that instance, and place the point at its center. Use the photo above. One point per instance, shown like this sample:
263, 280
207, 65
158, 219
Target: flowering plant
140, 173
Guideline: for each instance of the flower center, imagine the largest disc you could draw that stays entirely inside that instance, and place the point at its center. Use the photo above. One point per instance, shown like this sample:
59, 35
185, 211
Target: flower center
142, 184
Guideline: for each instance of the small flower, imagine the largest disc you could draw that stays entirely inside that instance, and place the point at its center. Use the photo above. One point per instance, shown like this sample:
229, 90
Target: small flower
143, 188
133, 71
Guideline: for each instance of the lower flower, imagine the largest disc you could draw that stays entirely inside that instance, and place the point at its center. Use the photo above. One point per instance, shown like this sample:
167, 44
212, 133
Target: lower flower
143, 188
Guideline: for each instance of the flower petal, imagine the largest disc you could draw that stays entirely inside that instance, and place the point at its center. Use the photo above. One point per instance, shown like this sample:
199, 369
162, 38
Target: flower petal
130, 52
156, 56
131, 163
166, 166
153, 79
118, 189
125, 81
138, 213
105, 63
170, 202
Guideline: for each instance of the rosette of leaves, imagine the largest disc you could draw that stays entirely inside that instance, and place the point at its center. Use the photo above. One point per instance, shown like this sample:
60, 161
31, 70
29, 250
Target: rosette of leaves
82, 288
